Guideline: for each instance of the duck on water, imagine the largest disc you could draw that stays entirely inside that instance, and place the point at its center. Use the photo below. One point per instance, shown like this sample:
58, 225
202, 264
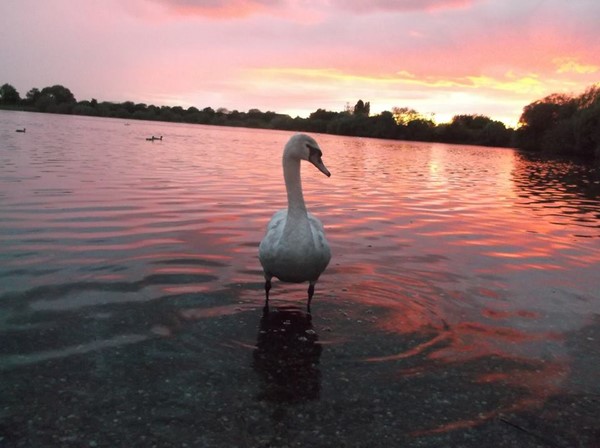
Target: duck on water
294, 248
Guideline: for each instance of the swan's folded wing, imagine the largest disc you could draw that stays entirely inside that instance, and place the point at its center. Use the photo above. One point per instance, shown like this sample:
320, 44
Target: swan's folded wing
268, 245
320, 241
315, 223
277, 222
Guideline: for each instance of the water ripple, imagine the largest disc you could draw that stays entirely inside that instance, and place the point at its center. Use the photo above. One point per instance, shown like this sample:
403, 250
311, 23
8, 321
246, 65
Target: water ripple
474, 254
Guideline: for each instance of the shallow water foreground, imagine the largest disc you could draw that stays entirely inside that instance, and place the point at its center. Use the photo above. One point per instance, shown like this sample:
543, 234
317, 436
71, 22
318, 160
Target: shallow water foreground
460, 308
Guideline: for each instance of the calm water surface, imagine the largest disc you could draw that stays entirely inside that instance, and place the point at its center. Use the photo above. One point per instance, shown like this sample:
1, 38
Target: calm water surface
464, 287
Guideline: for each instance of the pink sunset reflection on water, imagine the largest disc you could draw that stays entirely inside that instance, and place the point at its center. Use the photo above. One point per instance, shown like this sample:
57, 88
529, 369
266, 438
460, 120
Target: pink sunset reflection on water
478, 263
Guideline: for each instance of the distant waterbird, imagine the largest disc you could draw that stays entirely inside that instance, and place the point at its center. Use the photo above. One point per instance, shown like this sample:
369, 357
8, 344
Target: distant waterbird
151, 139
294, 248
21, 130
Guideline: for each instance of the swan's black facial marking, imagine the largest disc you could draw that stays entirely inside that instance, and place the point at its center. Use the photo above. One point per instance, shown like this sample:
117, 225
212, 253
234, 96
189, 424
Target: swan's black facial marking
315, 153
314, 157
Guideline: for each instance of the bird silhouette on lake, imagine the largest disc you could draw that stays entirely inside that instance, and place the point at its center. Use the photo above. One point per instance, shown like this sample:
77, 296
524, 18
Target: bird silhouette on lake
294, 248
21, 130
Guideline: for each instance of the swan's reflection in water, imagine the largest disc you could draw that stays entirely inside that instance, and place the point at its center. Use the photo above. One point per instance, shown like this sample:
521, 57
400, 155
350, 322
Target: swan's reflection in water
287, 356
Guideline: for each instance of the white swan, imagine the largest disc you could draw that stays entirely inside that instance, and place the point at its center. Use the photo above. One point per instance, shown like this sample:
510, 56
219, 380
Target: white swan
294, 248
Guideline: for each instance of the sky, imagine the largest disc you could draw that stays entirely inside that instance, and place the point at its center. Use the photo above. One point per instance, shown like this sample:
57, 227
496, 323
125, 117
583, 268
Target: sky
439, 57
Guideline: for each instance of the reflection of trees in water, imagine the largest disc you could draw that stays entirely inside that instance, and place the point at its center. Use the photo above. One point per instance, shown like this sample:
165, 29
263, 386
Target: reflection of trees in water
563, 187
287, 356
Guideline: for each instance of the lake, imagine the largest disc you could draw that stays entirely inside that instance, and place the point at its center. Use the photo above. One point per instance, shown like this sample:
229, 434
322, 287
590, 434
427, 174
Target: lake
461, 305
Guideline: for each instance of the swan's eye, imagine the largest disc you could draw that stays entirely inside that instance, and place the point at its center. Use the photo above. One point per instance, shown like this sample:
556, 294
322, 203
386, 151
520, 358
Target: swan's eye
315, 153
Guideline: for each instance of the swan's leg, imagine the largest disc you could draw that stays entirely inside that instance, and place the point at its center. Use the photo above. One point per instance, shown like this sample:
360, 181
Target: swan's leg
267, 289
311, 291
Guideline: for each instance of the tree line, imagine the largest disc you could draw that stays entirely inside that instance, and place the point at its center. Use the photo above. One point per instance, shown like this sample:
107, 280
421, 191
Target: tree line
563, 124
557, 123
401, 123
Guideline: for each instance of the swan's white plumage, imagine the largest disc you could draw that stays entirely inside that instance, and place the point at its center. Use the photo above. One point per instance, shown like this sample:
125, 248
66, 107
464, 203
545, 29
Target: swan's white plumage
297, 255
294, 248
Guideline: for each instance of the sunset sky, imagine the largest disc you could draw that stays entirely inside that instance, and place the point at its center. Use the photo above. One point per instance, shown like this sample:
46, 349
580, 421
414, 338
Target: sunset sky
441, 57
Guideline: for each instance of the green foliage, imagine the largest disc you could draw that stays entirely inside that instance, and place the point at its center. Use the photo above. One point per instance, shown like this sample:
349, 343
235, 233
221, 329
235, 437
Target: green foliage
362, 108
400, 123
404, 115
59, 94
563, 124
9, 95
420, 130
475, 130
32, 96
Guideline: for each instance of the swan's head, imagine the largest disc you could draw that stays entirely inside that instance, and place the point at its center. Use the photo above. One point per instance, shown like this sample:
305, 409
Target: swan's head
304, 147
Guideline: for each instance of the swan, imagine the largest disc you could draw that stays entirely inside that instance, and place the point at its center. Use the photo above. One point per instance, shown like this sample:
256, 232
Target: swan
294, 248
21, 130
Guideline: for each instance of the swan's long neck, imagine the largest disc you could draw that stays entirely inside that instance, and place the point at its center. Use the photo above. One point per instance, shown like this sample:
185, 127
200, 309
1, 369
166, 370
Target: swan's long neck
293, 185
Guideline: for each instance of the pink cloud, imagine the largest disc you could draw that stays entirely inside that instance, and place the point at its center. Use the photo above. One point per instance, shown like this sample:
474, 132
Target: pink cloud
402, 5
294, 9
226, 9
294, 56
217, 9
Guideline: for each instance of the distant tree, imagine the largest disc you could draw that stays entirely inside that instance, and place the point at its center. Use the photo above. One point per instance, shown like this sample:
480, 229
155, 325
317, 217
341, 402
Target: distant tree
463, 129
32, 96
128, 107
283, 122
320, 120
206, 115
541, 116
578, 125
192, 115
362, 108
420, 130
166, 114
178, 112
45, 104
586, 123
495, 133
404, 115
55, 99
9, 95
473, 122
83, 108
322, 114
353, 125
562, 123
383, 126
59, 94
141, 107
